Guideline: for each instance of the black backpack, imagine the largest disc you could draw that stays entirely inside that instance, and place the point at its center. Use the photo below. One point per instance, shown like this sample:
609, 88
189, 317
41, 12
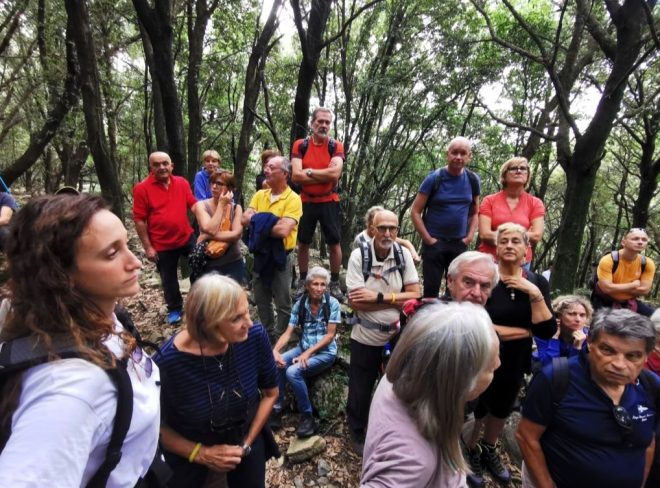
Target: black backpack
598, 299
302, 310
24, 353
367, 260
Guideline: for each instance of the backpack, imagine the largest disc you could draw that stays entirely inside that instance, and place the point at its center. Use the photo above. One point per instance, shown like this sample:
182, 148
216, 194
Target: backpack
440, 176
332, 147
24, 353
367, 261
561, 380
302, 310
598, 298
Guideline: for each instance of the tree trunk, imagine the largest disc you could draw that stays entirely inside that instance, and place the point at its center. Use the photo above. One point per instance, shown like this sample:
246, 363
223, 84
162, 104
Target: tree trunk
106, 171
253, 79
158, 26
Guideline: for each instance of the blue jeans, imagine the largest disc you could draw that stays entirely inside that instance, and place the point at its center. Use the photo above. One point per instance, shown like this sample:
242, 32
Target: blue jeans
296, 374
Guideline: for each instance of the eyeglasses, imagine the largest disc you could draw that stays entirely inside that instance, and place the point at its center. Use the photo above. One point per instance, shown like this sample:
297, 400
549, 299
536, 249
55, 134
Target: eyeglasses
136, 358
623, 419
382, 229
636, 229
516, 169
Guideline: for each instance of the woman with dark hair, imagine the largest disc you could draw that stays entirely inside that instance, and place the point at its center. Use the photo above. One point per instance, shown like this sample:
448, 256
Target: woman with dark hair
445, 357
57, 417
219, 220
512, 204
219, 387
519, 308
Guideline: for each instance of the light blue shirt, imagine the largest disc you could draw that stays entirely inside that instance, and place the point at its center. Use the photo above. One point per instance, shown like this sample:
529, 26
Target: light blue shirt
315, 328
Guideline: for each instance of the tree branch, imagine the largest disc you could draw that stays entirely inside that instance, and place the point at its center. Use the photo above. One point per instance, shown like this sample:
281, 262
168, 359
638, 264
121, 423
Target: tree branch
515, 125
348, 22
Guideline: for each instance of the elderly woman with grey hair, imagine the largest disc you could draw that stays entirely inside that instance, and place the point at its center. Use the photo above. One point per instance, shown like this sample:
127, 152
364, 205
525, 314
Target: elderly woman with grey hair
444, 358
316, 315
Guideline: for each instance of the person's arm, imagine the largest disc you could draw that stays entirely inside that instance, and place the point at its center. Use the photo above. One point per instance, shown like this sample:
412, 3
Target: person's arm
416, 215
606, 280
409, 245
508, 333
546, 349
330, 174
486, 233
325, 340
649, 457
528, 436
535, 231
200, 187
143, 234
235, 232
365, 300
473, 221
218, 457
268, 399
5, 215
281, 342
283, 227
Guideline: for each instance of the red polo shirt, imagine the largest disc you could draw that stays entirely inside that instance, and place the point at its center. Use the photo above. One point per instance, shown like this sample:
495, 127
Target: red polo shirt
165, 211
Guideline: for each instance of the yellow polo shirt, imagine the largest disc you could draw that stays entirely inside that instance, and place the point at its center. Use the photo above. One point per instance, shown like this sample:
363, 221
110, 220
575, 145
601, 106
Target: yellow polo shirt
286, 204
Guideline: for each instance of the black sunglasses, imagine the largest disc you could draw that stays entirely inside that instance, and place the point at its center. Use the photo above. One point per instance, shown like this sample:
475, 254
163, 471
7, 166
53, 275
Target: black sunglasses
623, 420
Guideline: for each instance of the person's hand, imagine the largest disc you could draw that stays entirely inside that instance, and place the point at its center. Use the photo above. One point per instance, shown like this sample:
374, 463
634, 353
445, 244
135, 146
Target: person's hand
416, 258
520, 283
302, 359
363, 295
227, 197
431, 242
578, 338
279, 360
220, 457
151, 254
468, 239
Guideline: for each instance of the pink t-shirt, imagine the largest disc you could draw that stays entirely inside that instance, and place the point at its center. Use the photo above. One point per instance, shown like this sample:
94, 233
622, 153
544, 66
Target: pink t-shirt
496, 207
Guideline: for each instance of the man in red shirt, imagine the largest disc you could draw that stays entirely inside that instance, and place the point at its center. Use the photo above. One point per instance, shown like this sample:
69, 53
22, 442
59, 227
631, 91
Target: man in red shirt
316, 163
160, 204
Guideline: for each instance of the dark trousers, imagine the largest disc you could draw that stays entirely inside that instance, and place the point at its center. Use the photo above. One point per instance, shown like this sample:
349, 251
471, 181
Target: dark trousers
362, 376
436, 260
167, 265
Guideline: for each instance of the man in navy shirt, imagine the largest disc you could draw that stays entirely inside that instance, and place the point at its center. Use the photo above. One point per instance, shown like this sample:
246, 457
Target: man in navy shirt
444, 213
601, 431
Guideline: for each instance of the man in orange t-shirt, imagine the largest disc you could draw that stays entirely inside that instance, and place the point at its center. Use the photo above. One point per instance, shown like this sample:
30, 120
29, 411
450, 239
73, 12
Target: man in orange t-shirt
628, 283
317, 162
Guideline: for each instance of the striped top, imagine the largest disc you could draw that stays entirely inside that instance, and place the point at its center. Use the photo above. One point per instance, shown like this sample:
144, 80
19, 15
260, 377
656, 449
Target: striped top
202, 397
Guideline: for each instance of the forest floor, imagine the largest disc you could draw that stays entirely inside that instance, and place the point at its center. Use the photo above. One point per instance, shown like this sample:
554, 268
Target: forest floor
337, 466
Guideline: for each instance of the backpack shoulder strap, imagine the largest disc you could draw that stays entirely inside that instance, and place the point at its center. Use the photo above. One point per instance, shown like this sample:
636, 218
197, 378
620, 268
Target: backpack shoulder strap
326, 307
332, 146
615, 260
304, 145
643, 263
560, 379
367, 258
122, 422
474, 182
400, 260
302, 311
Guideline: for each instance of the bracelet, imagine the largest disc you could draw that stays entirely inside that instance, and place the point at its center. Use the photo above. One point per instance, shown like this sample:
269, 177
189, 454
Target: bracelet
194, 452
393, 298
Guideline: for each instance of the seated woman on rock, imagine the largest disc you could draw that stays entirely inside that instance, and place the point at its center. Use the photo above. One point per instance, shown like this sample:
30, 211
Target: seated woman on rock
316, 315
219, 386
573, 314
445, 357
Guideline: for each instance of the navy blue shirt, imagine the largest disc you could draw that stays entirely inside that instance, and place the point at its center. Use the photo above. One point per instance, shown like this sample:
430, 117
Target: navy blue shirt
448, 208
188, 380
583, 444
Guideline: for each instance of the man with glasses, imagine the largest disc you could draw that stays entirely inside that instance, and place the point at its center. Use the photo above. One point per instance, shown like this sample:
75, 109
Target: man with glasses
444, 213
317, 162
598, 430
160, 211
625, 275
274, 212
376, 299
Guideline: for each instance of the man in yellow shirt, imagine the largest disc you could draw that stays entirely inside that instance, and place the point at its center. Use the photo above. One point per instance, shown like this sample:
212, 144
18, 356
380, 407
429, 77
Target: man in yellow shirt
621, 282
282, 202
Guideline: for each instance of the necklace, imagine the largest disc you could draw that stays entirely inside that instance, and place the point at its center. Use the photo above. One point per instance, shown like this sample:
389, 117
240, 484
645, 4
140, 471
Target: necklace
512, 293
219, 361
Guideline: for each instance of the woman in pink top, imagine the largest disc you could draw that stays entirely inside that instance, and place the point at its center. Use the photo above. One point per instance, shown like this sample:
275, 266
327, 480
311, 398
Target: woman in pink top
512, 204
446, 356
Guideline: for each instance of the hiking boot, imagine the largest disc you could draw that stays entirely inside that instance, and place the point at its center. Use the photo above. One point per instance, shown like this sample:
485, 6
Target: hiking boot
307, 426
335, 291
300, 290
490, 459
174, 317
275, 420
473, 457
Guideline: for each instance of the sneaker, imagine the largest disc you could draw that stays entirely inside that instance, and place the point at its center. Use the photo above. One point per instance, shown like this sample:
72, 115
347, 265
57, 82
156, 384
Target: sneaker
300, 289
335, 291
174, 317
490, 459
275, 419
307, 426
473, 457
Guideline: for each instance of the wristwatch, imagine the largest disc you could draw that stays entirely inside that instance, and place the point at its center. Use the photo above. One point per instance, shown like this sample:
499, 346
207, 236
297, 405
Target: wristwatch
247, 449
309, 173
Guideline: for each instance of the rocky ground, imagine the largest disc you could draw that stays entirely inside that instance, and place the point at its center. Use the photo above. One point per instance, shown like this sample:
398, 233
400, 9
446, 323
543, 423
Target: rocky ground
336, 466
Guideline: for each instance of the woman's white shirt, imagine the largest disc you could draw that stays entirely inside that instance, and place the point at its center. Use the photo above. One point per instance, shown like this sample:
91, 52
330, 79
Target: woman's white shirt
63, 423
